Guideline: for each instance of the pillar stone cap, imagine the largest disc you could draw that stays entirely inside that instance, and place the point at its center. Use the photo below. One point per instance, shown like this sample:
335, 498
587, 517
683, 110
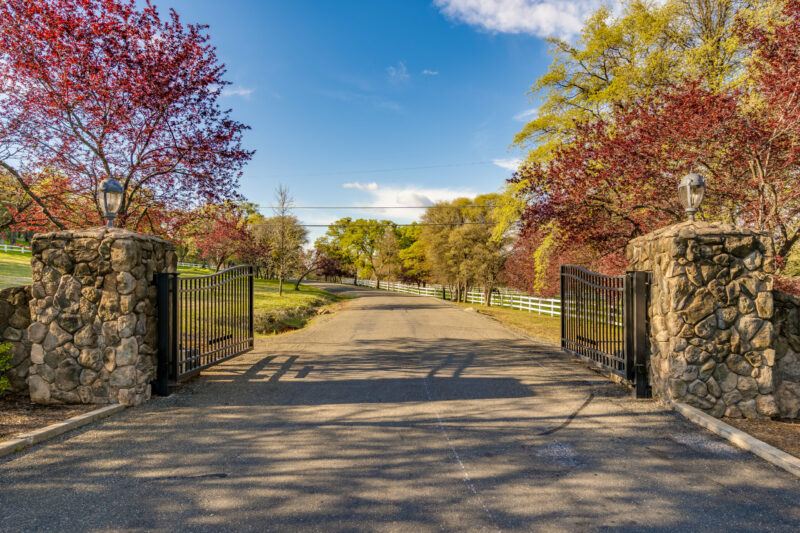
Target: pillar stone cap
691, 229
100, 232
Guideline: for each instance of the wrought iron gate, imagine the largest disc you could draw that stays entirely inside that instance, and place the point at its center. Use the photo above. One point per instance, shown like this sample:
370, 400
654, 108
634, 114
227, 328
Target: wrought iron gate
604, 322
202, 321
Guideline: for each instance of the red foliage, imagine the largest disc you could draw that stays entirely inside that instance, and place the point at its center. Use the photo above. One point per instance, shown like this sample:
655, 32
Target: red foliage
521, 271
97, 88
225, 236
618, 178
787, 284
329, 266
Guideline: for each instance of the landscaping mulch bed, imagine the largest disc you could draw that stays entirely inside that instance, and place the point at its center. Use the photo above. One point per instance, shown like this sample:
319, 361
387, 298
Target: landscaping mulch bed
19, 415
783, 434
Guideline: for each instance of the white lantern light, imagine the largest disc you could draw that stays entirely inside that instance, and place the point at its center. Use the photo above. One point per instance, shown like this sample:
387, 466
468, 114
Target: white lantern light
691, 191
111, 192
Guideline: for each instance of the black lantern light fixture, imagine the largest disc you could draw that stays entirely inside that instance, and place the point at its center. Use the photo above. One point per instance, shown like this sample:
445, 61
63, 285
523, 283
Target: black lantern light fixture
111, 192
691, 191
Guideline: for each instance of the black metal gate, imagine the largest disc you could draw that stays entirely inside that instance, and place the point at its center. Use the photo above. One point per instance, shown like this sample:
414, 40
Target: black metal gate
604, 322
202, 321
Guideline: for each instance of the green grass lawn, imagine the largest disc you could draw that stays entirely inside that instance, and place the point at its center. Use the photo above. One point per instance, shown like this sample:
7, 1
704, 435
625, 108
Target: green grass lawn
15, 269
265, 292
546, 328
273, 313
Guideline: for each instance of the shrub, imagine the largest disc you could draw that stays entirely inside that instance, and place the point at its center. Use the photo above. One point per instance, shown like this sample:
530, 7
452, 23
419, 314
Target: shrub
787, 284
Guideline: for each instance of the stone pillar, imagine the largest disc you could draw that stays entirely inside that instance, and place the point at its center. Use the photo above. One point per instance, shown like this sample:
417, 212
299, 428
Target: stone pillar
711, 310
15, 318
787, 353
93, 315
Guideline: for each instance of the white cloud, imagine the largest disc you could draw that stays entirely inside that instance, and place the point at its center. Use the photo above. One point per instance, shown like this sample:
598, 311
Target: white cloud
397, 74
508, 164
525, 116
237, 91
407, 195
542, 18
361, 186
427, 72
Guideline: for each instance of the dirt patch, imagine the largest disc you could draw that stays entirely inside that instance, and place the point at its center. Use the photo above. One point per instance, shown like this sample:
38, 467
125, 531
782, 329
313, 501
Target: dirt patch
19, 415
783, 434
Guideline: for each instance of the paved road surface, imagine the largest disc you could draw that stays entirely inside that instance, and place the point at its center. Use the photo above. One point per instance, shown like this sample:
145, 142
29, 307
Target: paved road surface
400, 413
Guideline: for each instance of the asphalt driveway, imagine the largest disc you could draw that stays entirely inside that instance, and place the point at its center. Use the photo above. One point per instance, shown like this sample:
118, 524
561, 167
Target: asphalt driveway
399, 413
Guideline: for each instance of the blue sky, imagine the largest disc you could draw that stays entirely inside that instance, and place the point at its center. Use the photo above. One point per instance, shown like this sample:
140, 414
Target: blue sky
400, 102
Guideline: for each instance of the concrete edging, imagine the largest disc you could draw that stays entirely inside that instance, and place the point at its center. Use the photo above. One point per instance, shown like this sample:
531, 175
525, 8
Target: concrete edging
53, 430
741, 439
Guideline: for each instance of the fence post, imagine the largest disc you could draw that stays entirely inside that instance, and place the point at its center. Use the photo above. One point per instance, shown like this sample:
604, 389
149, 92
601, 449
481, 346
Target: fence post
636, 346
562, 279
165, 300
250, 306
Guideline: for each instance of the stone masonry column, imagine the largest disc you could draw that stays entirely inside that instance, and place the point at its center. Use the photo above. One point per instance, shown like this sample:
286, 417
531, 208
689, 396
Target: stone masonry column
711, 309
93, 315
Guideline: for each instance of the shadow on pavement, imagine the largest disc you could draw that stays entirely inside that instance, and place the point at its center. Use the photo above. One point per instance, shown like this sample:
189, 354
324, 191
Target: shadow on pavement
332, 433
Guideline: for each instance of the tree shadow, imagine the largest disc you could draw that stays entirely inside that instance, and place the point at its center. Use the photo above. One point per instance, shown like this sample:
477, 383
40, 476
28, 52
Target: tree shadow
404, 434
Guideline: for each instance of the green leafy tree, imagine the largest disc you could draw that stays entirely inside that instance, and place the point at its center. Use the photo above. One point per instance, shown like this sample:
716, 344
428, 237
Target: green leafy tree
285, 237
360, 242
619, 59
413, 264
460, 246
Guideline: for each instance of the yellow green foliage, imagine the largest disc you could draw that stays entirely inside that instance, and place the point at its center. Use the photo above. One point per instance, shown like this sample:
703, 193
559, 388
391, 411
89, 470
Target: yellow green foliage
623, 56
541, 257
619, 58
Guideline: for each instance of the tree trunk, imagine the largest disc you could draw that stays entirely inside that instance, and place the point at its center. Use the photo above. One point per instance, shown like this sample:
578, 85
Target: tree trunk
302, 277
280, 285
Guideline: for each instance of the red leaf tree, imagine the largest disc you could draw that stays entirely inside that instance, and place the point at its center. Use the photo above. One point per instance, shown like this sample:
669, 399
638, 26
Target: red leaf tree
98, 88
224, 235
618, 177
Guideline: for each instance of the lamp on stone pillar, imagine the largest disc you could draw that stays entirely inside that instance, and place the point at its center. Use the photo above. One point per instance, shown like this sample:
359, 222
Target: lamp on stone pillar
691, 191
111, 192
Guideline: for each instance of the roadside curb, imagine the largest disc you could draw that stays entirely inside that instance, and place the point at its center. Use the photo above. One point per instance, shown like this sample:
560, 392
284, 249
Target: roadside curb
53, 430
741, 439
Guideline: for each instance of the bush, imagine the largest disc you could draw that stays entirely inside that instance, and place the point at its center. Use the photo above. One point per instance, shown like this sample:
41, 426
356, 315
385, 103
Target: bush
5, 364
266, 322
788, 284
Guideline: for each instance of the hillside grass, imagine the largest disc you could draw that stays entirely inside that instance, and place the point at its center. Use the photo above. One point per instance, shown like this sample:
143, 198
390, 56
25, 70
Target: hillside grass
15, 269
541, 327
273, 313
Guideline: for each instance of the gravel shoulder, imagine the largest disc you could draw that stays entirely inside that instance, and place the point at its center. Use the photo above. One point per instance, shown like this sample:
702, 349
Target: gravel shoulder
19, 415
783, 434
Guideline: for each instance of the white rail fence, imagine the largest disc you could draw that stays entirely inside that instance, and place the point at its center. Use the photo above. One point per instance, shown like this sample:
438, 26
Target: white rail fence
191, 265
509, 299
14, 248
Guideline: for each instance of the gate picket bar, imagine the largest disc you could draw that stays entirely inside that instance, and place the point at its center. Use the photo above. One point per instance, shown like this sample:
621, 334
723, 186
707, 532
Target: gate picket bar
202, 321
604, 322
